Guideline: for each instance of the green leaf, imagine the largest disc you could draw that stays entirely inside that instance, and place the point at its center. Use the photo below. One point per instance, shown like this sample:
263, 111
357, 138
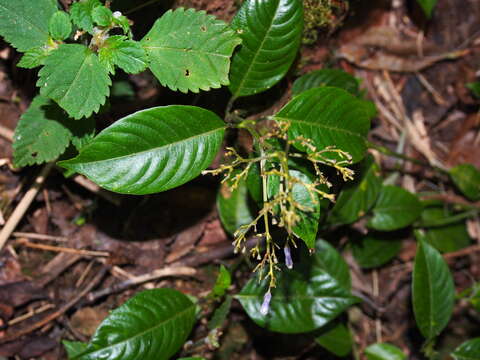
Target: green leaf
384, 351
122, 21
305, 298
337, 339
396, 208
358, 196
153, 325
469, 350
433, 291
83, 132
102, 16
233, 207
192, 358
330, 117
220, 314
129, 55
60, 26
475, 88
327, 77
74, 77
375, 250
24, 23
427, 6
224, 280
254, 184
34, 57
74, 348
151, 150
41, 134
81, 13
189, 50
271, 33
467, 178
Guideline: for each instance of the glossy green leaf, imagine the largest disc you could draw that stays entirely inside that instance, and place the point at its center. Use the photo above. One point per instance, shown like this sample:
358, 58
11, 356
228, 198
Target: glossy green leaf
330, 117
469, 350
358, 196
24, 23
151, 150
254, 184
74, 77
384, 351
60, 26
220, 314
153, 325
81, 13
271, 32
327, 77
127, 54
337, 339
467, 178
102, 16
233, 207
189, 50
306, 298
427, 6
433, 291
74, 348
34, 57
375, 250
396, 208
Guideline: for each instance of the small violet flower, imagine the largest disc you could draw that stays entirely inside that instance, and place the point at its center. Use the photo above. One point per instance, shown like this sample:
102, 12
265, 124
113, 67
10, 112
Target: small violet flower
266, 303
288, 257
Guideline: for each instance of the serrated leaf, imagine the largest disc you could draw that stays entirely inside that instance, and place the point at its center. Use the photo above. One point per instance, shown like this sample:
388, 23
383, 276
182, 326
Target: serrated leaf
151, 150
384, 351
129, 55
189, 50
24, 23
153, 325
427, 6
305, 298
358, 196
271, 33
122, 21
41, 134
74, 348
433, 291
330, 117
83, 132
233, 207
395, 208
327, 77
337, 339
467, 178
74, 77
81, 13
102, 16
375, 250
60, 26
34, 57
469, 350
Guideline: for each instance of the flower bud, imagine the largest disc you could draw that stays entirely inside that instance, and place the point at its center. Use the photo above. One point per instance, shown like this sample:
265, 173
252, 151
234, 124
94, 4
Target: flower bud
266, 303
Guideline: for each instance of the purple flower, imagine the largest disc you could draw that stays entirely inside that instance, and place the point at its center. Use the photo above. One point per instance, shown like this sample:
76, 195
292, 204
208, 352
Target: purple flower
288, 257
266, 303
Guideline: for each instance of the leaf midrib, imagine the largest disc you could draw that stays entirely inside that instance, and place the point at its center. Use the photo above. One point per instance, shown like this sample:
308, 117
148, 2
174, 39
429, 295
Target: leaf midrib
151, 329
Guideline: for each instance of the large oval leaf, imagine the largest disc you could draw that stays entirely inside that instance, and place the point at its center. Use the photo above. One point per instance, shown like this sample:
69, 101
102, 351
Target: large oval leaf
305, 298
469, 350
384, 351
233, 207
467, 179
151, 150
336, 338
433, 291
153, 325
330, 117
376, 249
395, 208
327, 77
190, 50
271, 33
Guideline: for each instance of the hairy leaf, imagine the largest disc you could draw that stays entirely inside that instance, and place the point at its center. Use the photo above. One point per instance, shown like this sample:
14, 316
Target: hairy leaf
433, 291
153, 325
189, 50
74, 77
327, 77
467, 178
151, 150
427, 6
337, 339
469, 350
24, 23
271, 32
102, 16
384, 351
395, 208
81, 13
34, 57
375, 250
330, 117
60, 26
127, 54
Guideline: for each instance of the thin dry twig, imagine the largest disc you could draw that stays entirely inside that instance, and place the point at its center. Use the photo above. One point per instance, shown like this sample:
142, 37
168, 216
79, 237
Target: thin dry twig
80, 252
36, 236
31, 313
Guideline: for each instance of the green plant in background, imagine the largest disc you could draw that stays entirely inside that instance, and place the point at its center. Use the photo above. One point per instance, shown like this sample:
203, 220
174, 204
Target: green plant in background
307, 174
320, 14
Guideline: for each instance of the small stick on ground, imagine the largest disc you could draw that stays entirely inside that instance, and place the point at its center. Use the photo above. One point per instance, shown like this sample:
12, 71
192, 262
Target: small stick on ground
36, 236
80, 252
30, 314
6, 133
